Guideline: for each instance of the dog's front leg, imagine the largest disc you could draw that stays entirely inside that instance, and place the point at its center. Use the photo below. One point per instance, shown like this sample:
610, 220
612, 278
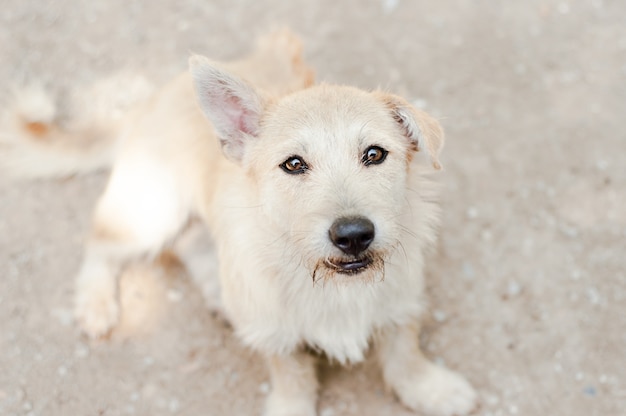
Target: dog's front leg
420, 384
294, 385
96, 304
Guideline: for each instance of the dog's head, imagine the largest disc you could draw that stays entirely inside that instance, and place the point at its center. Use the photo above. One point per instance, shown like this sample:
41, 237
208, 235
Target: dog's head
331, 164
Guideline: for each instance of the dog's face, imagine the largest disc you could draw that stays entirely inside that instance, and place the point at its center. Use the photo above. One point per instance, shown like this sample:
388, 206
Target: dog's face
330, 164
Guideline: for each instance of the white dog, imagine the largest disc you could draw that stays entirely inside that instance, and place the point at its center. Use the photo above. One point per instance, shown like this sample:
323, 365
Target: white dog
318, 205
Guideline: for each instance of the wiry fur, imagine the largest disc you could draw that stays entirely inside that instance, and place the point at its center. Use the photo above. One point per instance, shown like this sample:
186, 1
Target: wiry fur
279, 284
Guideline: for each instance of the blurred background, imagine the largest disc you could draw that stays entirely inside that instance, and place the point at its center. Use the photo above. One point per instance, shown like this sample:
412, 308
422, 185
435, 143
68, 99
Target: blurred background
527, 284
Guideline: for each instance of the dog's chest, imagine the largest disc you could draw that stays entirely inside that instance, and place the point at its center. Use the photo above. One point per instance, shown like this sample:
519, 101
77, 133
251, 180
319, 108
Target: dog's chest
337, 319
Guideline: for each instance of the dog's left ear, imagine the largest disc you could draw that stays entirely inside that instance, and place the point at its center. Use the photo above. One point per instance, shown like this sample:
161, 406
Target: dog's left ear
421, 129
232, 105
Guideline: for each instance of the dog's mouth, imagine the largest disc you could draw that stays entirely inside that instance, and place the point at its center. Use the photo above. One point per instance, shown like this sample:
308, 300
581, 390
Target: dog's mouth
349, 266
369, 267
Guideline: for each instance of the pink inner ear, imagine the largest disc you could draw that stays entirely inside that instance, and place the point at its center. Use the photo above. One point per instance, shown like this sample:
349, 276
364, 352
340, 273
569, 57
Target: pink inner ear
238, 117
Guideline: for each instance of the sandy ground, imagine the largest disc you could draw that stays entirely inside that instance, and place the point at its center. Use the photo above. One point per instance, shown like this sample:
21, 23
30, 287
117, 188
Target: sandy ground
528, 283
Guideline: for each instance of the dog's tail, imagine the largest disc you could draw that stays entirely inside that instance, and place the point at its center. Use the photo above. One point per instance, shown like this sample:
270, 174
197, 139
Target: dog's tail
36, 140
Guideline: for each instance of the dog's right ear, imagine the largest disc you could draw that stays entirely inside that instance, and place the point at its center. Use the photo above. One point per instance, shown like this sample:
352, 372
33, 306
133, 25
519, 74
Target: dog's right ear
232, 105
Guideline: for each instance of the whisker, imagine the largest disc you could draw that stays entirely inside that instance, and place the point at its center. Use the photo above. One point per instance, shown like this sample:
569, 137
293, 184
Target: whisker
277, 239
406, 256
409, 232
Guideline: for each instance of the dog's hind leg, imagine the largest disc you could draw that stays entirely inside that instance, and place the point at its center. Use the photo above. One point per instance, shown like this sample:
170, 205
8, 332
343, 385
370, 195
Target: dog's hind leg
294, 385
420, 384
141, 209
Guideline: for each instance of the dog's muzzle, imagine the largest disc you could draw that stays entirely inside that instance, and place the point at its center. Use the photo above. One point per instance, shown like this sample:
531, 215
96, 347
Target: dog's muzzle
352, 235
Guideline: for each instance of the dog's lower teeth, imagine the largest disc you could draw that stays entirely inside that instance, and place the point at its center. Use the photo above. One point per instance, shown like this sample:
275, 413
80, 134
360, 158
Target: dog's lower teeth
349, 266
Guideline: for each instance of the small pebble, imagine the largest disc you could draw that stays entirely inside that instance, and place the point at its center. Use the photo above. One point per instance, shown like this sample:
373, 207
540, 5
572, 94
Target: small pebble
329, 411
174, 295
513, 289
593, 296
598, 4
472, 213
569, 77
389, 5
173, 405
602, 165
234, 376
590, 391
468, 270
20, 394
64, 316
264, 388
492, 400
569, 231
439, 315
420, 103
182, 26
81, 351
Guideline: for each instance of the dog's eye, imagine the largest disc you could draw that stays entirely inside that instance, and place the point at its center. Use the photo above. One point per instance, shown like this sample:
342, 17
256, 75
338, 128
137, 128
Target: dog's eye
374, 155
295, 165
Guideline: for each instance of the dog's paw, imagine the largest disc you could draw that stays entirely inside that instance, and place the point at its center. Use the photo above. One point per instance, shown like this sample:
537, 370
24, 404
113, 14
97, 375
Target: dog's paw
437, 391
289, 406
96, 311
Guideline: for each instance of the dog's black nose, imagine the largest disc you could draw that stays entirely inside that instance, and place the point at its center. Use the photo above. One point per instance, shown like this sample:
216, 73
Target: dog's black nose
352, 235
